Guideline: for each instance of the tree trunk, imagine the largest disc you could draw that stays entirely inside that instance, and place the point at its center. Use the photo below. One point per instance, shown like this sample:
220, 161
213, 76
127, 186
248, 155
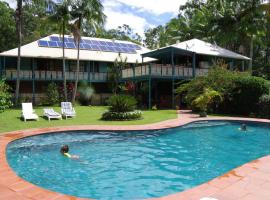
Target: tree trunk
64, 62
251, 54
19, 34
78, 60
77, 72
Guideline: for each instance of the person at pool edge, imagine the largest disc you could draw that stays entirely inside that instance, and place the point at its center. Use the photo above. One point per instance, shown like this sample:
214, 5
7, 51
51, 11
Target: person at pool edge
64, 151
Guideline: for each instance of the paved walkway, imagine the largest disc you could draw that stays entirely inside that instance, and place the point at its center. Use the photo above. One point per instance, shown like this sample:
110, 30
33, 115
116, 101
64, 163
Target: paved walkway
248, 182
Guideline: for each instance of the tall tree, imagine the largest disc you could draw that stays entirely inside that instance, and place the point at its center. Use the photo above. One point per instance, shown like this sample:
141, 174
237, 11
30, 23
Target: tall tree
61, 16
7, 27
115, 73
89, 12
18, 17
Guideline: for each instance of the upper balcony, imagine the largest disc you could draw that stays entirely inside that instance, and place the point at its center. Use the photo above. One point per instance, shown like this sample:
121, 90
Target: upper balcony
162, 71
55, 75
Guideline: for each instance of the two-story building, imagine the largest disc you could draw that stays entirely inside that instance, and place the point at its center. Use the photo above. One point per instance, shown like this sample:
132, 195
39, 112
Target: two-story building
177, 62
154, 73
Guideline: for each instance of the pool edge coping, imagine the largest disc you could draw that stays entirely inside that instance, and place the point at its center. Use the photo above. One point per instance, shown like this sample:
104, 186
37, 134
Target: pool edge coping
14, 187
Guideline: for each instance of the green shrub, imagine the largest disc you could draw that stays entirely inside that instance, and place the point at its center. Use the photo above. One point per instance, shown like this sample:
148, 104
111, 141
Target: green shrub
264, 106
85, 93
246, 94
52, 94
122, 103
240, 91
202, 101
5, 96
121, 116
121, 107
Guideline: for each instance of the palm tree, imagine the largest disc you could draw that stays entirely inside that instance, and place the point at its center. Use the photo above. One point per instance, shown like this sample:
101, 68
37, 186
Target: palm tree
61, 15
18, 18
89, 12
203, 100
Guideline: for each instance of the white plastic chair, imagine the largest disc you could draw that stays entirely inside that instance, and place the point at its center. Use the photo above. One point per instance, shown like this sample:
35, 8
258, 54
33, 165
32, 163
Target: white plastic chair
67, 110
51, 114
28, 112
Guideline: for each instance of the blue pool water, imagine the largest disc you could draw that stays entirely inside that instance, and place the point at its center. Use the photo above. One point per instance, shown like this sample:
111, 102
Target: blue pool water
139, 164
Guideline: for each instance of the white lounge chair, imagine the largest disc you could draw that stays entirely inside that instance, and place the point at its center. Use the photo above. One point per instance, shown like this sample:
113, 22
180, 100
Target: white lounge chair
28, 112
51, 114
67, 110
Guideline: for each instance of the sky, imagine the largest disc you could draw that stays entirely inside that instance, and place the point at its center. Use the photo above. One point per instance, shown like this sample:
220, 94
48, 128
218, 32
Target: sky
138, 14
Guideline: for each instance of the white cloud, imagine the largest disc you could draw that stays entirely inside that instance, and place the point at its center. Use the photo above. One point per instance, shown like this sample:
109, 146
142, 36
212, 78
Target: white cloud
156, 7
118, 14
12, 3
116, 18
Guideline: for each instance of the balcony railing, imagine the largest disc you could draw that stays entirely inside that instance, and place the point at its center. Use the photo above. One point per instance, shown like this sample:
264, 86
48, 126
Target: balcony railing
55, 75
163, 71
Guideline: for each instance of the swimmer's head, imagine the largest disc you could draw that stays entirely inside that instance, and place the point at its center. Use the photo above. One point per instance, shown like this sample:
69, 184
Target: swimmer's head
244, 127
64, 149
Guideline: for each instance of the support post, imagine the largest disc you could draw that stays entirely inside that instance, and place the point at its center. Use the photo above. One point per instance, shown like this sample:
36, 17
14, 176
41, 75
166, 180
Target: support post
193, 65
149, 89
243, 65
88, 71
231, 65
141, 65
33, 82
134, 83
1, 67
173, 77
91, 71
4, 67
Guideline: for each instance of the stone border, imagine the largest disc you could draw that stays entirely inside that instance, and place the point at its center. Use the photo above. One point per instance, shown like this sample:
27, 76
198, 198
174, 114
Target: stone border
248, 182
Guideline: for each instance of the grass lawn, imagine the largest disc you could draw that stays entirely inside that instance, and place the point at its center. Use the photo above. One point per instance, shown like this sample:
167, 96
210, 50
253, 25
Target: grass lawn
10, 119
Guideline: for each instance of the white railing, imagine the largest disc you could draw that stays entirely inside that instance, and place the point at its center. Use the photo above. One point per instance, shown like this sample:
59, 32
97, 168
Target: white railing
13, 74
163, 71
55, 75
201, 72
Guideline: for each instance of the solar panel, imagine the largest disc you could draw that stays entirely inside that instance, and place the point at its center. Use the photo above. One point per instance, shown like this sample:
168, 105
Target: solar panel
87, 46
95, 42
94, 45
106, 48
55, 38
70, 45
123, 45
52, 44
60, 44
110, 48
43, 43
103, 43
82, 46
123, 50
118, 49
59, 39
88, 41
70, 40
109, 44
116, 45
137, 47
130, 50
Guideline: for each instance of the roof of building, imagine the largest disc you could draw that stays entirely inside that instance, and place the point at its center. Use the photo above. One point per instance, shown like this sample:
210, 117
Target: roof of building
202, 48
37, 50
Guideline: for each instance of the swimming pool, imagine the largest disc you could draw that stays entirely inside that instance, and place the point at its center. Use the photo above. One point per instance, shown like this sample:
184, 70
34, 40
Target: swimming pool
137, 164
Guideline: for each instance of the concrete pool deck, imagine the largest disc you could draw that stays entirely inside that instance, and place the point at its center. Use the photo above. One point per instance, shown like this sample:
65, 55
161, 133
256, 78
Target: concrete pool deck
250, 181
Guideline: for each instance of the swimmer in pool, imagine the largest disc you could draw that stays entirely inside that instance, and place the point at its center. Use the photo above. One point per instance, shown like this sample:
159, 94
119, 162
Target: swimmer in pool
64, 151
243, 127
